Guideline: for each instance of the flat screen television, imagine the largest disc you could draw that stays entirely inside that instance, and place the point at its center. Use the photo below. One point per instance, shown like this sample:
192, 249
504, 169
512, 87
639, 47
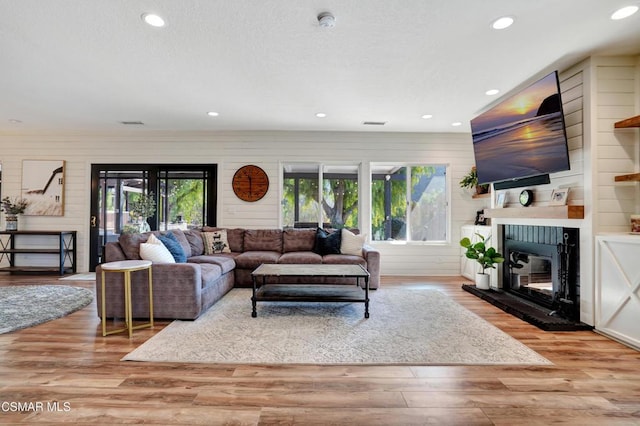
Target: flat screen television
522, 136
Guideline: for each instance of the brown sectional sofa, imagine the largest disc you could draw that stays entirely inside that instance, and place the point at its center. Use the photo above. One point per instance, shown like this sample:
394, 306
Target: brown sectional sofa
186, 290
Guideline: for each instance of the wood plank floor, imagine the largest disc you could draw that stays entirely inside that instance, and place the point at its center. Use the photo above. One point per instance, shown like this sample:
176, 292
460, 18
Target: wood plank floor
594, 380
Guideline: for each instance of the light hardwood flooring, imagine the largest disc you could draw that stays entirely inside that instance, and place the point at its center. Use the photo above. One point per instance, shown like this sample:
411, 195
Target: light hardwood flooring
594, 380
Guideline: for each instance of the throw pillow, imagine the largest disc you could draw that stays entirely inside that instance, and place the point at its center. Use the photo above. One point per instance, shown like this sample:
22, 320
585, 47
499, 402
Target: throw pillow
327, 243
351, 243
173, 245
216, 242
155, 251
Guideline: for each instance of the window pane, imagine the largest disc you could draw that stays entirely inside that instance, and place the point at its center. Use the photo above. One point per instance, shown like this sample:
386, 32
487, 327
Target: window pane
389, 203
182, 203
426, 192
428, 216
300, 206
340, 196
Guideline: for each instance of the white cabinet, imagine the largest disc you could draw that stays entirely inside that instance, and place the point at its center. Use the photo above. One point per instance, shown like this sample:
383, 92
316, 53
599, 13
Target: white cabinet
469, 267
617, 287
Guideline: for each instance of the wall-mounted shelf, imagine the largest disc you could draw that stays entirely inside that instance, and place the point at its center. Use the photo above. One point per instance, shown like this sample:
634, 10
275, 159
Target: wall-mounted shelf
629, 122
631, 177
548, 212
485, 195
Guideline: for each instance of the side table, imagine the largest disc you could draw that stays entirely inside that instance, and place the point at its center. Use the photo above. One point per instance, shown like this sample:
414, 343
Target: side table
126, 267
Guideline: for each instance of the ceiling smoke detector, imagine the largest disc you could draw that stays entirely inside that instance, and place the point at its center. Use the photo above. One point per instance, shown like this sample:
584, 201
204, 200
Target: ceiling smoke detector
326, 20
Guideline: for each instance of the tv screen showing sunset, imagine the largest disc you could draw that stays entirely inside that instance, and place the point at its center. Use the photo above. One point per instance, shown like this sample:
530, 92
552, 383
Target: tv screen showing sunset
522, 136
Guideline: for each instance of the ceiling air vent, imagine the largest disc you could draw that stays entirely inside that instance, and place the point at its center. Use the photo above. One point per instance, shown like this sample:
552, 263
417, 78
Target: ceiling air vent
132, 123
374, 123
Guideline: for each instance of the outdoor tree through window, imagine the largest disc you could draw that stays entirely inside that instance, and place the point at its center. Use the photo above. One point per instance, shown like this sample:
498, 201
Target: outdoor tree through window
409, 203
332, 203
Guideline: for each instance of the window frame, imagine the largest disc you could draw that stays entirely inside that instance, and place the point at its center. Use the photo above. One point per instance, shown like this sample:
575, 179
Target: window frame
320, 173
409, 165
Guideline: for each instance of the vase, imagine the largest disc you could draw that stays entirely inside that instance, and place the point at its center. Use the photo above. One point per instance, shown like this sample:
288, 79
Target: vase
11, 222
482, 281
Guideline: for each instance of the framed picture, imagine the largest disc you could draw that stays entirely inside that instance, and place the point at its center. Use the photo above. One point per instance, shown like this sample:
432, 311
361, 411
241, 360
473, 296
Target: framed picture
559, 197
500, 199
43, 187
480, 219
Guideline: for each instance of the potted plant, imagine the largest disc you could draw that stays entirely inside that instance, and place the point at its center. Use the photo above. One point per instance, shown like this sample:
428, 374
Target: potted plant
487, 257
470, 180
12, 208
142, 207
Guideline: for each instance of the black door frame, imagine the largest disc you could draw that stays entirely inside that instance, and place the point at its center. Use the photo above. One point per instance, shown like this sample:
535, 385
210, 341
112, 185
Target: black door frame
151, 172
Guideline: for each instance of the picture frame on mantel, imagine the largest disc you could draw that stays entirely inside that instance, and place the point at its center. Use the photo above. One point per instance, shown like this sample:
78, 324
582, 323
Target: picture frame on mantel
501, 198
559, 197
43, 187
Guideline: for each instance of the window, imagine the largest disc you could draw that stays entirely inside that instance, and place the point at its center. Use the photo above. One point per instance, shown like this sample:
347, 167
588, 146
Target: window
408, 203
315, 194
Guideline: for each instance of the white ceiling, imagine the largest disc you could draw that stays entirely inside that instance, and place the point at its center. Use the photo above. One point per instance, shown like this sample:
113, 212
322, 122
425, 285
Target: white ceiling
87, 65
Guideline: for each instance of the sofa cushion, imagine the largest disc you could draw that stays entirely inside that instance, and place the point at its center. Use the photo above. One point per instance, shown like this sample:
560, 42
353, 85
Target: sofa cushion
130, 244
253, 259
225, 262
216, 242
171, 243
210, 273
351, 243
326, 242
155, 251
263, 240
194, 239
300, 257
344, 259
296, 239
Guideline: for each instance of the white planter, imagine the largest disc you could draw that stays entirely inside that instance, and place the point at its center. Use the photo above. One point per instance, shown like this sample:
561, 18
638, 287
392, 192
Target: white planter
482, 281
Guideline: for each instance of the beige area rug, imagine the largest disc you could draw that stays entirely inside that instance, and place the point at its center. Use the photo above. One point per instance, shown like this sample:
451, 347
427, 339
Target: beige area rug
419, 327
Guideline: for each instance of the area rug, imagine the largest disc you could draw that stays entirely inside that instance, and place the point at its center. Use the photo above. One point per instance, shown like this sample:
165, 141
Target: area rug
418, 327
26, 306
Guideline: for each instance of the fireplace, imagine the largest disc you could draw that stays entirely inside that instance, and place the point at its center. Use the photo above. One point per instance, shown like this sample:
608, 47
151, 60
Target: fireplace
541, 267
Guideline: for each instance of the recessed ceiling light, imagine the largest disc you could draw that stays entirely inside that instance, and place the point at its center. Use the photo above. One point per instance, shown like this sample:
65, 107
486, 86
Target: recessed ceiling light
153, 19
624, 12
213, 114
326, 20
456, 124
426, 116
321, 115
492, 92
502, 23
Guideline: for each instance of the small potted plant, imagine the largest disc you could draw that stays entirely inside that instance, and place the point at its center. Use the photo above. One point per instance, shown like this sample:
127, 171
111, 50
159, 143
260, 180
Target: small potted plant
12, 208
487, 257
470, 180
142, 207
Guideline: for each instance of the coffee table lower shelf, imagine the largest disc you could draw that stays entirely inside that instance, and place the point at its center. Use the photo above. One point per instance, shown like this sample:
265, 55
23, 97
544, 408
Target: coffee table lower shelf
310, 293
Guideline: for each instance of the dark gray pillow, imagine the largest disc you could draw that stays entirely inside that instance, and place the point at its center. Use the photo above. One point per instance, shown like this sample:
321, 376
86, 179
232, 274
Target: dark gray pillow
327, 243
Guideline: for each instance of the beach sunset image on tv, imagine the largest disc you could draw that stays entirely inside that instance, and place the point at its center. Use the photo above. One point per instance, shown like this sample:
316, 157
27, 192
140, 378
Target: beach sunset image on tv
523, 135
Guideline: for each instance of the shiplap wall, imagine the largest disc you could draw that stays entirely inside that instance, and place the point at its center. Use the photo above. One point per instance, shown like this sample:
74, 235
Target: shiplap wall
617, 98
230, 150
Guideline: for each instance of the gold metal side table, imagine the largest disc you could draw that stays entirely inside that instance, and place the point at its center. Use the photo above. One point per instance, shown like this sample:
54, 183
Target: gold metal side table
126, 267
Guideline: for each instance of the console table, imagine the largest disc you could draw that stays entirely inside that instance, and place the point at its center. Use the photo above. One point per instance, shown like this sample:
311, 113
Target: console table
64, 247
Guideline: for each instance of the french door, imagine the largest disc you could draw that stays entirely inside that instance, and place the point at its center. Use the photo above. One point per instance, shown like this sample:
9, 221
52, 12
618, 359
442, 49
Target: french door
185, 197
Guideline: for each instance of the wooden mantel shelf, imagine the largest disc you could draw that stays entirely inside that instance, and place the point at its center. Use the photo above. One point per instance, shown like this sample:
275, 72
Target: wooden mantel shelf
548, 212
632, 177
629, 122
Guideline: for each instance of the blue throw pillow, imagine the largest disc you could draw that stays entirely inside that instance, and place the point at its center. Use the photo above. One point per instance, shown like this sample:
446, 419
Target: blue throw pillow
171, 243
327, 243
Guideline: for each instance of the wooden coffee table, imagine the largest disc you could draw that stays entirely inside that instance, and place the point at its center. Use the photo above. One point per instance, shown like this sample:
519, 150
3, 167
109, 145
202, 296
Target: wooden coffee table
263, 292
